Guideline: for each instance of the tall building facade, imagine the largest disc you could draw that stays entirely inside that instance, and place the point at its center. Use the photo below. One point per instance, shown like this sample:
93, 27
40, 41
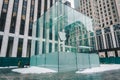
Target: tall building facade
106, 18
87, 7
16, 25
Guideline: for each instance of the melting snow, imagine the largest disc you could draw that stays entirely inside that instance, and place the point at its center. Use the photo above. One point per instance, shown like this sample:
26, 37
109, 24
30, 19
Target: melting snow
38, 70
33, 69
8, 67
102, 68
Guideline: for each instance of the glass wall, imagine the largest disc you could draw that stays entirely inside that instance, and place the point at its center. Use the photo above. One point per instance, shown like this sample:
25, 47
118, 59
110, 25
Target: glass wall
65, 39
61, 18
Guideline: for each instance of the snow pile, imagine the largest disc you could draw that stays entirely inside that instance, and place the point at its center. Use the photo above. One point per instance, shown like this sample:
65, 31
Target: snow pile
102, 68
33, 70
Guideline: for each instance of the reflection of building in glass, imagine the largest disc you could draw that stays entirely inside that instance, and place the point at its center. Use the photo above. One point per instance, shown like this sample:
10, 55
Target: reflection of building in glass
78, 32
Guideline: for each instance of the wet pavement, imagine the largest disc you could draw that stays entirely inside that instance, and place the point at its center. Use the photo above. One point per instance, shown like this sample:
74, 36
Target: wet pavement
7, 74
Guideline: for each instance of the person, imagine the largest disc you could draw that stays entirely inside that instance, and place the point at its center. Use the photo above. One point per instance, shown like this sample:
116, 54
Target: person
19, 64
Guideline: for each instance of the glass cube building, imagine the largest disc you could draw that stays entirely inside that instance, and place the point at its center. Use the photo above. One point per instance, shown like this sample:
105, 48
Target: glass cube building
65, 40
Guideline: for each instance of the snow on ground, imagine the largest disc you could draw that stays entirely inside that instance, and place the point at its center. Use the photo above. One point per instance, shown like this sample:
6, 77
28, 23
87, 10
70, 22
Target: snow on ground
38, 70
33, 70
8, 67
102, 68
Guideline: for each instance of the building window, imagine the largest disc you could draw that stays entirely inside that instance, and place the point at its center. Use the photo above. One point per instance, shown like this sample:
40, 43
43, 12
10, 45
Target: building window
43, 47
102, 54
113, 11
113, 7
39, 9
111, 22
29, 48
14, 16
107, 23
45, 5
23, 17
111, 3
110, 17
56, 47
108, 9
109, 13
51, 1
50, 47
1, 38
111, 53
117, 38
108, 38
115, 20
117, 34
37, 47
44, 26
99, 40
9, 47
20, 47
38, 28
31, 17
50, 31
3, 14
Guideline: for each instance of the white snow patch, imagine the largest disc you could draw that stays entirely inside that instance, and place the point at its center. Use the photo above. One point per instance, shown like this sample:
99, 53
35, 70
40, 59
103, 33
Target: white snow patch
8, 67
102, 68
33, 70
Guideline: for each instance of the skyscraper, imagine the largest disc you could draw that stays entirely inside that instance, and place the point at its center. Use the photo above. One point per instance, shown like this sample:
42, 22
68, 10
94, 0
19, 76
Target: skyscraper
106, 17
16, 25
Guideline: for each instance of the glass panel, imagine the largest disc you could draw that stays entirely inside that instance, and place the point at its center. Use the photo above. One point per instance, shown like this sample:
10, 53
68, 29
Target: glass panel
67, 62
36, 47
94, 60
